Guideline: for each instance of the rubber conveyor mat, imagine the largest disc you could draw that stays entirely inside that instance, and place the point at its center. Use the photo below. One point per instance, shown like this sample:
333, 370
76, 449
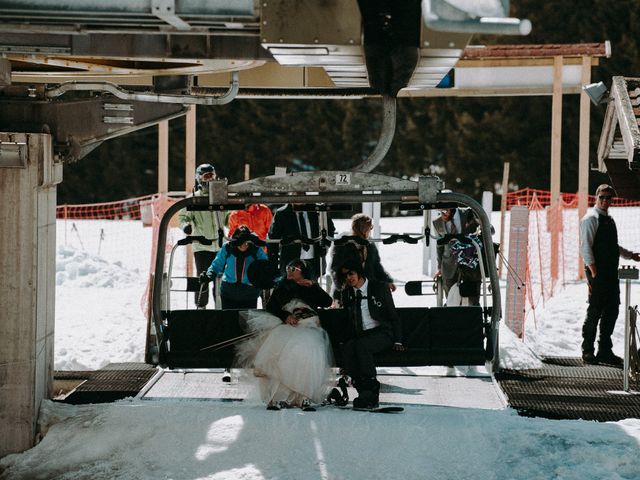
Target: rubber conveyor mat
113, 382
566, 389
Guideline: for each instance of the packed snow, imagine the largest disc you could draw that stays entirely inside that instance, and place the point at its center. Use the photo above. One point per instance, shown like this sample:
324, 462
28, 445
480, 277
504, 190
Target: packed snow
100, 320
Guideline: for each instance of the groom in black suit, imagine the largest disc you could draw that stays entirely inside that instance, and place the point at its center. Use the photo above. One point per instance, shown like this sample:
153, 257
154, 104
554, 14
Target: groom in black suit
371, 309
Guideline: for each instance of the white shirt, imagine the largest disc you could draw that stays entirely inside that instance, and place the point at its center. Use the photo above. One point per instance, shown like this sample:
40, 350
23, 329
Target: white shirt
367, 320
588, 228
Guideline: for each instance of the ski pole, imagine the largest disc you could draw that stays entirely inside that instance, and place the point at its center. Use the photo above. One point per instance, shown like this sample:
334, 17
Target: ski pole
511, 270
229, 342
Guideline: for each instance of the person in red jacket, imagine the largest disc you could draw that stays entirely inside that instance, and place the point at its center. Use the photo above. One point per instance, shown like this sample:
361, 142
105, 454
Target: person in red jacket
257, 217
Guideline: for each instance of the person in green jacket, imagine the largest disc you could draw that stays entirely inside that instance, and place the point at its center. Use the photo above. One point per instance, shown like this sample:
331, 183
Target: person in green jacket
207, 223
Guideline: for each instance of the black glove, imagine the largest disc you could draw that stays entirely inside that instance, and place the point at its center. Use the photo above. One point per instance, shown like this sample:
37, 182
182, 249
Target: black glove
187, 229
204, 278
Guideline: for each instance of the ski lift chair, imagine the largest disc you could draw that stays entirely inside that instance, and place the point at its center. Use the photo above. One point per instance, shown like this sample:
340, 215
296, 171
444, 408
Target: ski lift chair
433, 335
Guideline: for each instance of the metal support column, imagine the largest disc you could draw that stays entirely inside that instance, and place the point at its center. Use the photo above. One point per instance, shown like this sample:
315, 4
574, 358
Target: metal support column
627, 274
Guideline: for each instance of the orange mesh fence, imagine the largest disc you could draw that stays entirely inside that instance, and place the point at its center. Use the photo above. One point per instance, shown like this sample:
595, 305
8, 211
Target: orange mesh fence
529, 196
540, 279
128, 209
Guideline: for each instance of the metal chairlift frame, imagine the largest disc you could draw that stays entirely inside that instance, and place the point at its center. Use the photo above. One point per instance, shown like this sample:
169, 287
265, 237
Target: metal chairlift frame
334, 187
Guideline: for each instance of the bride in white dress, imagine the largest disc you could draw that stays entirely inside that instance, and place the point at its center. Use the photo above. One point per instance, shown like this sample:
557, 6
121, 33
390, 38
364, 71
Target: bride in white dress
291, 354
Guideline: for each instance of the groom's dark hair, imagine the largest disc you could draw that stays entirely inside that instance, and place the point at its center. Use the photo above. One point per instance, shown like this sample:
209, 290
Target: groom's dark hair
353, 265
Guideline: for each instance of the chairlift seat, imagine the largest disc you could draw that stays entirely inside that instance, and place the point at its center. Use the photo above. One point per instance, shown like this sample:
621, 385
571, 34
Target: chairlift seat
433, 336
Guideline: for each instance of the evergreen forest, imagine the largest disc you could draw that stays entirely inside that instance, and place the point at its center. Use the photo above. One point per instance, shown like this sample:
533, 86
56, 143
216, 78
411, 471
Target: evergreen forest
463, 140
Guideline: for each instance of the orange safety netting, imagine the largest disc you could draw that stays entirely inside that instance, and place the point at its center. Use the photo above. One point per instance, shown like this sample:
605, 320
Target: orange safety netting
128, 209
529, 196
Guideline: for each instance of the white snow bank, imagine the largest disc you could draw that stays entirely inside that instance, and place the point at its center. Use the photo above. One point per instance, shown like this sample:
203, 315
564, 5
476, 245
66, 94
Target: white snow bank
77, 268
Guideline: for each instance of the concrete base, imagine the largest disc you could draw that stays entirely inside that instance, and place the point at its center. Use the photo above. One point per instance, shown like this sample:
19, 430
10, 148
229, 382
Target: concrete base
28, 178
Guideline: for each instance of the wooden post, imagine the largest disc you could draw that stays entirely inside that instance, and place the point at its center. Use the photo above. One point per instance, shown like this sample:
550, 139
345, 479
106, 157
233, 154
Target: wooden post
503, 210
190, 168
163, 156
190, 150
515, 305
247, 171
583, 152
556, 143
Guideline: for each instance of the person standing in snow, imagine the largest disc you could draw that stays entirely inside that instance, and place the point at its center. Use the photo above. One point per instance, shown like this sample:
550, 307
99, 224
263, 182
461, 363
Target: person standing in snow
371, 310
204, 223
601, 253
289, 223
454, 221
257, 217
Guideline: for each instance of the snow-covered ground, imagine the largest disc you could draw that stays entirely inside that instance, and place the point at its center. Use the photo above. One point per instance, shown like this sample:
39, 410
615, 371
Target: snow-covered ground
99, 320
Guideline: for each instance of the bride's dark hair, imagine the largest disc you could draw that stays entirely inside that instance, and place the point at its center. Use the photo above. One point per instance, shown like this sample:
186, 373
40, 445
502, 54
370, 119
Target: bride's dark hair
302, 265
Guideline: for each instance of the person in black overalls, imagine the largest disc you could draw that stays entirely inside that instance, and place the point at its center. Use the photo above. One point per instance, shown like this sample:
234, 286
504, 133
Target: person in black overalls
601, 253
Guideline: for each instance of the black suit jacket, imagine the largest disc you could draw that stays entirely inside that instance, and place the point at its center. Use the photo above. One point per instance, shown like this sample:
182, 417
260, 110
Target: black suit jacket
287, 290
381, 306
285, 223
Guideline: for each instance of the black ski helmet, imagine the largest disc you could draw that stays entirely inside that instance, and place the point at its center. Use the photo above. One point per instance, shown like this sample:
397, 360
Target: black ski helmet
204, 174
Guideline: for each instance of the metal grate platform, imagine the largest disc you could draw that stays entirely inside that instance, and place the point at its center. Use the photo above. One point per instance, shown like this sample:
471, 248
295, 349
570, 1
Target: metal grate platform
407, 388
114, 382
565, 389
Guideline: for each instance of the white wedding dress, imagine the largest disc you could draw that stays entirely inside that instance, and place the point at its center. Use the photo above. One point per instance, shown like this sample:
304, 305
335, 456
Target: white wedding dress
293, 363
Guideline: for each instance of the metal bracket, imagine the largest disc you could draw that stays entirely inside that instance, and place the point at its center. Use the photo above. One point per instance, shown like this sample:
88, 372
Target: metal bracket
628, 272
5, 72
166, 10
218, 191
13, 154
428, 188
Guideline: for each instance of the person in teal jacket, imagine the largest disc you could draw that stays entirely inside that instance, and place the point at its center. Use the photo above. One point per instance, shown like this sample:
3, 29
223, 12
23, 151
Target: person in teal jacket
232, 262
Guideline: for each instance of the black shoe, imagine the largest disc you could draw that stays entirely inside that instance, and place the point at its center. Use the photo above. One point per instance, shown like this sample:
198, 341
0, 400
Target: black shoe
609, 358
307, 406
337, 398
366, 400
588, 358
368, 394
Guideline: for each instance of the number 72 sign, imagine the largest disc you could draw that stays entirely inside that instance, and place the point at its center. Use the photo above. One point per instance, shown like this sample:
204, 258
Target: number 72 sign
343, 179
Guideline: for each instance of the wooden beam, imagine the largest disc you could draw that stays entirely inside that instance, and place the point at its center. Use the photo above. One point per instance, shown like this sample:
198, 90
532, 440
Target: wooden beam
190, 150
583, 151
555, 223
607, 134
626, 117
190, 168
163, 156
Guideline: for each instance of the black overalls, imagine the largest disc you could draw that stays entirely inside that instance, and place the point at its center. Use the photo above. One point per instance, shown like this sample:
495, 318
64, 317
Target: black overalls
604, 290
